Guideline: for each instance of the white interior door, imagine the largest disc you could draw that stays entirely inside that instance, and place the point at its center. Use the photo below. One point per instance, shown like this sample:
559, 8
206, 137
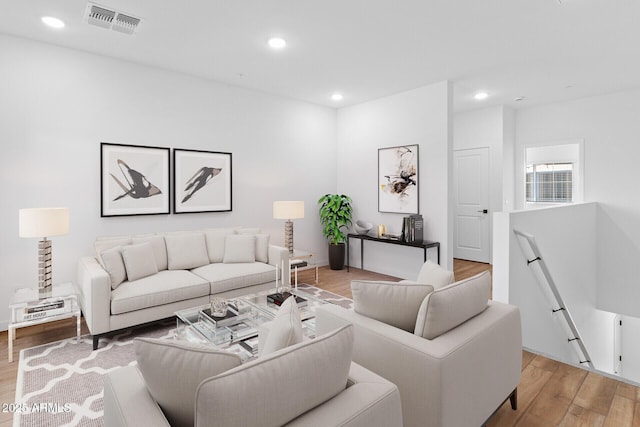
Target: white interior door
472, 224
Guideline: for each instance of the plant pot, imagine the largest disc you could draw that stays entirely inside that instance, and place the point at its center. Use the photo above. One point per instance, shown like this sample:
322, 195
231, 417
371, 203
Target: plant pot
336, 256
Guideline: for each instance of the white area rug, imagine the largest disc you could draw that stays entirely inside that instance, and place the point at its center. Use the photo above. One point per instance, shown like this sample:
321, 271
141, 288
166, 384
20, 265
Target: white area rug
60, 384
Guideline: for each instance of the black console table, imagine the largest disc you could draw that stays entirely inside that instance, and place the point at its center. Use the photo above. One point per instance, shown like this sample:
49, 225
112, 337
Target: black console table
426, 244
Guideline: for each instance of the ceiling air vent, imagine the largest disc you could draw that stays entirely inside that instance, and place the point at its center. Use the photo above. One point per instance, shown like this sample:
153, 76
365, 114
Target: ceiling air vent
111, 19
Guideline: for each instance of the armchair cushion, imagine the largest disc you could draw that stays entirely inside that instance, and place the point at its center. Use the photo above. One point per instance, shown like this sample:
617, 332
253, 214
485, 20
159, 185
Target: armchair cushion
172, 371
452, 305
139, 261
284, 330
434, 275
392, 303
280, 386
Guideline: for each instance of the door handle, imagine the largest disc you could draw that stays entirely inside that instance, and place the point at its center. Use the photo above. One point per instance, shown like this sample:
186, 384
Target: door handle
484, 211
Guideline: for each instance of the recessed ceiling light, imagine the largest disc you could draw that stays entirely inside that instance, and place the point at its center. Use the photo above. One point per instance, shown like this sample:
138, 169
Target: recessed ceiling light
337, 96
277, 43
481, 95
52, 22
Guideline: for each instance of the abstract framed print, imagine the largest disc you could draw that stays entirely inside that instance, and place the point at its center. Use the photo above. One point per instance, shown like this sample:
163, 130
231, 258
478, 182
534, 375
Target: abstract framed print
134, 180
202, 181
398, 179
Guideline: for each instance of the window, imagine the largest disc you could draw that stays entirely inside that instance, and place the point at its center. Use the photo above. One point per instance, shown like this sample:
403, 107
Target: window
550, 182
554, 174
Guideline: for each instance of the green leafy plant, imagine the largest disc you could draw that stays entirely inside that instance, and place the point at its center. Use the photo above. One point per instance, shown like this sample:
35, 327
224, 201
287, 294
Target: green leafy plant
335, 215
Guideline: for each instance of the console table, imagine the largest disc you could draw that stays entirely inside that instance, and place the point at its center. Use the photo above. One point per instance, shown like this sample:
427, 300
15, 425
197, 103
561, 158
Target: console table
426, 244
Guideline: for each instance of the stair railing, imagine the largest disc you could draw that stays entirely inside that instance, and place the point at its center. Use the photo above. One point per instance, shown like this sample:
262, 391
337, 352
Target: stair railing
562, 307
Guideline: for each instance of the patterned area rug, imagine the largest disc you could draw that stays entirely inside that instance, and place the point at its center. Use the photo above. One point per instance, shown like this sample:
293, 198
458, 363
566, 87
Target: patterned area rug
60, 384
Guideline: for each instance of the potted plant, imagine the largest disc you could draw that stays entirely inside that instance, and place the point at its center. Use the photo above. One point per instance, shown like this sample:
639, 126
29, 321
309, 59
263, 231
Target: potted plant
335, 215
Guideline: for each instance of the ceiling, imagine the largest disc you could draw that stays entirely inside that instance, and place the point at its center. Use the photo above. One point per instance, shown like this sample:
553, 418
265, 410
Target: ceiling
544, 50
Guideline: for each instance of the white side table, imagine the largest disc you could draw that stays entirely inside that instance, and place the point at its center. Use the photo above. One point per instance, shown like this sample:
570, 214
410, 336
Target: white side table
307, 259
28, 309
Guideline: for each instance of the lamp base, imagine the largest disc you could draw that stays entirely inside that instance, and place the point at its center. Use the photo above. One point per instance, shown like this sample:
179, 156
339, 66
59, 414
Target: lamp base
45, 277
288, 236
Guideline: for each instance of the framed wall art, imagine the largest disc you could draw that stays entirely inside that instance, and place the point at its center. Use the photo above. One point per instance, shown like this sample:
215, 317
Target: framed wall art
202, 181
398, 179
134, 180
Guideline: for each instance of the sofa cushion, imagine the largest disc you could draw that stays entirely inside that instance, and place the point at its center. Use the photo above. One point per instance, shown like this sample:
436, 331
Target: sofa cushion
280, 386
186, 250
285, 329
159, 248
139, 261
172, 371
239, 248
224, 277
214, 238
103, 244
164, 287
434, 275
262, 248
114, 265
452, 305
392, 303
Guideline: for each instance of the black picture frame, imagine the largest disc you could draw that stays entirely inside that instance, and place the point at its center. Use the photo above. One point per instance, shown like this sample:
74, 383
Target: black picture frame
398, 179
202, 181
134, 180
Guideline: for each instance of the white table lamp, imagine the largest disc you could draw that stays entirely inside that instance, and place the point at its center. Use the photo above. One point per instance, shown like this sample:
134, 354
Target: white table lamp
288, 210
43, 223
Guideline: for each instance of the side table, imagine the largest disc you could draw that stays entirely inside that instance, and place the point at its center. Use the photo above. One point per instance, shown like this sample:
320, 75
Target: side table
28, 309
305, 261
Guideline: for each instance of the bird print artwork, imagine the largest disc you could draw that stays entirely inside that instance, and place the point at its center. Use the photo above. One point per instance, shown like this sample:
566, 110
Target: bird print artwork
138, 187
203, 176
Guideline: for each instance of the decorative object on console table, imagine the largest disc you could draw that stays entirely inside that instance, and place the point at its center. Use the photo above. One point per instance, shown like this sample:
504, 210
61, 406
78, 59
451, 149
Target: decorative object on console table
288, 210
362, 227
43, 223
201, 181
134, 180
335, 215
398, 179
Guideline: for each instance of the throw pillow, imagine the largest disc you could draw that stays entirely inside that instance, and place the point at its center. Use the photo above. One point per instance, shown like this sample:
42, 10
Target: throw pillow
280, 386
186, 251
393, 303
139, 261
239, 248
215, 242
434, 275
262, 248
172, 371
448, 307
284, 330
159, 249
104, 244
114, 265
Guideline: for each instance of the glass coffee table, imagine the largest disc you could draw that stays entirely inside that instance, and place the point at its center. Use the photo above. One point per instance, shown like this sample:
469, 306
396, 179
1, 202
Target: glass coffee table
239, 332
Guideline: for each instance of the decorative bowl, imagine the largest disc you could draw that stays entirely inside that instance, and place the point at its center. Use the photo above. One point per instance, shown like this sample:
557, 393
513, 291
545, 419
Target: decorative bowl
362, 227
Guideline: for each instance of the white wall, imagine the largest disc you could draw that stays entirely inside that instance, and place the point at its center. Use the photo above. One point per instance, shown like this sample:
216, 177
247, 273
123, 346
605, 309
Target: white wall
57, 105
610, 127
419, 116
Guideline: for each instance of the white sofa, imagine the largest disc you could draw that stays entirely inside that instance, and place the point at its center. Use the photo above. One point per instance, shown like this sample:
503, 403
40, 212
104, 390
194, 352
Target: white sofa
136, 279
313, 383
458, 377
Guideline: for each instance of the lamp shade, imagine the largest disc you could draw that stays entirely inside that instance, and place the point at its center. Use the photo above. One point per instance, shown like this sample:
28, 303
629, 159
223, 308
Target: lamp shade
44, 222
288, 209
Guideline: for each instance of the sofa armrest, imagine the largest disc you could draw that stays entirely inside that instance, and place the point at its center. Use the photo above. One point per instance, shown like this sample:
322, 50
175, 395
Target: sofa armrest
368, 401
279, 257
94, 286
127, 401
475, 366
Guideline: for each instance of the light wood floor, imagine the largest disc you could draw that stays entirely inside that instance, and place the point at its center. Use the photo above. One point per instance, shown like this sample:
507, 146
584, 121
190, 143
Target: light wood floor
550, 393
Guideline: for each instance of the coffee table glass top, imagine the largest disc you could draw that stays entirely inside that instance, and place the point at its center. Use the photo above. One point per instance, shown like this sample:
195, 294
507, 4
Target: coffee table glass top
241, 334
